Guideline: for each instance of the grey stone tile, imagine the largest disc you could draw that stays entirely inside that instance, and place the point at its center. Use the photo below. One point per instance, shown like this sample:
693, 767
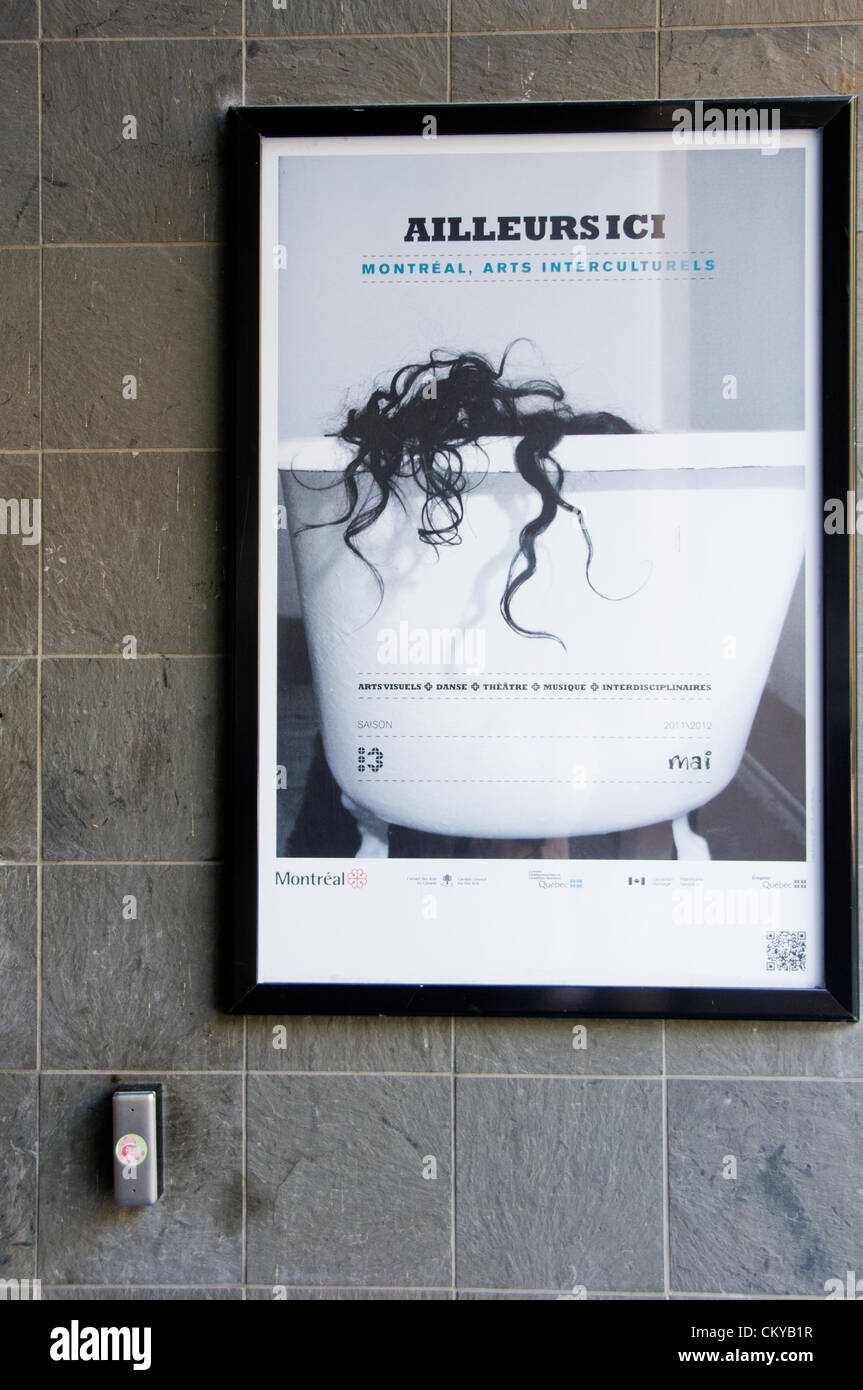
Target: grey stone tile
346, 17
19, 557
784, 61
144, 312
164, 185
705, 12
162, 1010
132, 758
505, 1296
561, 1045
551, 1296
349, 1044
161, 575
791, 1218
19, 19
764, 1049
496, 16
733, 1298
17, 1176
330, 71
280, 1293
87, 19
19, 141
559, 1182
621, 1297
194, 1229
553, 67
19, 349
336, 1193
18, 966
18, 759
77, 1293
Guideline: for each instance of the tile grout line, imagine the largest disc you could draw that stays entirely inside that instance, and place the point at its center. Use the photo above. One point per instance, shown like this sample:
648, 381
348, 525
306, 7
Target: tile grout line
244, 1159
112, 656
452, 1155
666, 1237
134, 450
96, 1070
114, 863
442, 1288
333, 37
38, 710
173, 245
739, 26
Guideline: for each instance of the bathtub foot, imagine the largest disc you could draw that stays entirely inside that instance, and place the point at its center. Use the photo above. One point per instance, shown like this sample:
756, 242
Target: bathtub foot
374, 832
687, 844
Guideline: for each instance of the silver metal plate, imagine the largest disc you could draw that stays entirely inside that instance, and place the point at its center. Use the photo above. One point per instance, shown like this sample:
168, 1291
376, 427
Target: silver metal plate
136, 1157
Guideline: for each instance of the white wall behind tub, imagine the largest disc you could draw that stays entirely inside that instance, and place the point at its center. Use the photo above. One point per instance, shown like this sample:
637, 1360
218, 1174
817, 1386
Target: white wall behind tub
787, 674
653, 346
289, 594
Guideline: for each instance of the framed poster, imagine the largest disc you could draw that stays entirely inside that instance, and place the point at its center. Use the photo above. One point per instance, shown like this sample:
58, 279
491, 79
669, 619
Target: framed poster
544, 629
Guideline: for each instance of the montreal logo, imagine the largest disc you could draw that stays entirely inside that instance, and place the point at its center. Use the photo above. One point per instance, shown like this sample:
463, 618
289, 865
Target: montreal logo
356, 878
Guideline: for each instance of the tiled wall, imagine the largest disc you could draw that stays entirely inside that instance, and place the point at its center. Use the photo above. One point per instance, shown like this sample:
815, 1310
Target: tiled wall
303, 1167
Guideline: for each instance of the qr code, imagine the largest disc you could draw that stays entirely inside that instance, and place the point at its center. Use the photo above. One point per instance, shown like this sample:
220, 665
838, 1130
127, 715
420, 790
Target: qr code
786, 950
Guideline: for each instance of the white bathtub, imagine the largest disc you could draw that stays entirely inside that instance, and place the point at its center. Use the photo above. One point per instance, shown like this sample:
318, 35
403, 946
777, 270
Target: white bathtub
705, 531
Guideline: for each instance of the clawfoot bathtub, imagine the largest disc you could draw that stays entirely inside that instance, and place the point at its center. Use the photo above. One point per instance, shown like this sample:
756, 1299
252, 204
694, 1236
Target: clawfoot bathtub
636, 709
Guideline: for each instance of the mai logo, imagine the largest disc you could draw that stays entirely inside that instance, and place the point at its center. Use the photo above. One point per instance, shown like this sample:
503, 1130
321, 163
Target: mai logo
690, 762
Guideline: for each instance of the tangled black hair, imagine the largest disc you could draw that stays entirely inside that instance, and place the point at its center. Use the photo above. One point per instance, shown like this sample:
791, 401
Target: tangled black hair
416, 429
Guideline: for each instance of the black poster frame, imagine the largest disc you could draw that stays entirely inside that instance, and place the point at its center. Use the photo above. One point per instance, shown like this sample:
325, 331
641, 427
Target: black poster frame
838, 1000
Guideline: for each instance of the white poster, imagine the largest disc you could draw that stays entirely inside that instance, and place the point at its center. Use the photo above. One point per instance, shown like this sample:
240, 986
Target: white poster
540, 552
